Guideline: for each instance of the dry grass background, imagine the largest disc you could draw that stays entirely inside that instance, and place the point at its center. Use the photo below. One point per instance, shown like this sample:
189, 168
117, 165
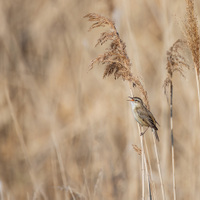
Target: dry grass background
65, 133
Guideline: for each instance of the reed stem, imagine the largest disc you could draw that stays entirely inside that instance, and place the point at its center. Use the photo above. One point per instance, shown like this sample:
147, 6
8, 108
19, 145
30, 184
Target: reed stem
159, 169
198, 88
143, 156
172, 139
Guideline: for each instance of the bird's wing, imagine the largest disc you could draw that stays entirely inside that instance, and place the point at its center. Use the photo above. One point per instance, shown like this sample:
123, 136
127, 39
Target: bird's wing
147, 117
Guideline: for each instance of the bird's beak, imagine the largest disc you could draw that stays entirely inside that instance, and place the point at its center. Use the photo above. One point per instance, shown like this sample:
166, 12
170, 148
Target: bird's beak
131, 99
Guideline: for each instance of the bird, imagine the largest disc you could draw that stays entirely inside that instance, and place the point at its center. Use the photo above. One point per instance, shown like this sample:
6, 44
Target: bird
143, 116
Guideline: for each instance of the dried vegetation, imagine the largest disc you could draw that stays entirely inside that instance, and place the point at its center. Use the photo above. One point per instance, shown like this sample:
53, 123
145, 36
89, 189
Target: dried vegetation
115, 58
65, 133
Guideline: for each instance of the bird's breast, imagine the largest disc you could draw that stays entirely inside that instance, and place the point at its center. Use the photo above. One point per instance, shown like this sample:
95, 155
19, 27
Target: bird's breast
133, 106
135, 113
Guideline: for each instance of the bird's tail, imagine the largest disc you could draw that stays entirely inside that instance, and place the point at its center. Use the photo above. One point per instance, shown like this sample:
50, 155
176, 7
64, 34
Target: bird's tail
156, 134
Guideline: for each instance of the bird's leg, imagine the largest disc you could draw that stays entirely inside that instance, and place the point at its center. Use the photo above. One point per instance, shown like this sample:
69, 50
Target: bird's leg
144, 132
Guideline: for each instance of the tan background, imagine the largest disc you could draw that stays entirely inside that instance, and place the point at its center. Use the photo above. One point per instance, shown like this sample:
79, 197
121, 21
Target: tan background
67, 133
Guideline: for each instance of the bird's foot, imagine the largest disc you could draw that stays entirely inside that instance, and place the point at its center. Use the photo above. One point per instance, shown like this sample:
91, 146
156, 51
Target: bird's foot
142, 133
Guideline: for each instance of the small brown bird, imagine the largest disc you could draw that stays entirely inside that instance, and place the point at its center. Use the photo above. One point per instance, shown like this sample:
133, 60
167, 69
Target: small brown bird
143, 116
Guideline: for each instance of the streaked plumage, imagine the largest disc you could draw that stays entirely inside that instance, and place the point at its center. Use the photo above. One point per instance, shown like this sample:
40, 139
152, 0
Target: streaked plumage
142, 115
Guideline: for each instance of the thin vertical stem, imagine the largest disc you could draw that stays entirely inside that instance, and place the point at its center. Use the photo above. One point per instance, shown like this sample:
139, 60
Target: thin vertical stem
147, 176
142, 148
172, 140
150, 168
148, 179
20, 136
196, 136
159, 169
61, 163
141, 139
1, 191
198, 89
143, 155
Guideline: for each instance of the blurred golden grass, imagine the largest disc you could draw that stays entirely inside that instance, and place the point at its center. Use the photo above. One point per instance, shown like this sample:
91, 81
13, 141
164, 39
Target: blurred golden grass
78, 130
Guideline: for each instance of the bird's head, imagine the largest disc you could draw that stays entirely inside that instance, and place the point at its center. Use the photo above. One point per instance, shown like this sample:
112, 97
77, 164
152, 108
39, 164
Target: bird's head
136, 101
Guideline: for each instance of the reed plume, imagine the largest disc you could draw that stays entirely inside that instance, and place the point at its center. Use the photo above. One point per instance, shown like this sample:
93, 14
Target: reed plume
175, 62
191, 30
115, 58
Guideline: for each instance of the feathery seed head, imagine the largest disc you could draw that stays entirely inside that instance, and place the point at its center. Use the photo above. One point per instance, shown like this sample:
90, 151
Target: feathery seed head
175, 61
115, 58
192, 33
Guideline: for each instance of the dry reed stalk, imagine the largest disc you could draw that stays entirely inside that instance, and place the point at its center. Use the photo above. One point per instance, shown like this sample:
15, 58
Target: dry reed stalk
144, 165
87, 186
98, 182
37, 190
143, 176
147, 166
143, 158
20, 136
150, 169
54, 172
193, 40
148, 175
175, 62
61, 163
115, 58
117, 63
191, 31
159, 168
148, 179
